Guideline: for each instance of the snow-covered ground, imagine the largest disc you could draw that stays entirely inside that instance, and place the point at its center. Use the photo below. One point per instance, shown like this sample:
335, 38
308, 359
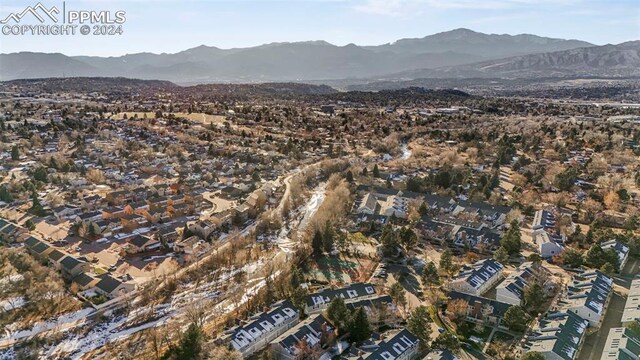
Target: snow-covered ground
61, 322
11, 278
13, 303
406, 152
301, 217
78, 345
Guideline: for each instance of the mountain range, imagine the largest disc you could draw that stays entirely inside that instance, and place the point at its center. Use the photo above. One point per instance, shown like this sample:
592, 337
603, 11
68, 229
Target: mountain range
456, 53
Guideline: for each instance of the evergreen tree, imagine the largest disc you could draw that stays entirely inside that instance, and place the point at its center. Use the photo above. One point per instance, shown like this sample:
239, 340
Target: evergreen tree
359, 328
446, 262
15, 153
349, 176
534, 298
516, 318
376, 171
40, 174
423, 210
447, 341
608, 269
36, 207
398, 295
512, 241
408, 238
430, 276
317, 243
572, 258
419, 323
190, 346
595, 257
501, 255
5, 194
328, 237
338, 313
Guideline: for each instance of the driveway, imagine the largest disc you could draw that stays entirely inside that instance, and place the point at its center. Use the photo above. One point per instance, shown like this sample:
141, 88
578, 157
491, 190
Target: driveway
594, 344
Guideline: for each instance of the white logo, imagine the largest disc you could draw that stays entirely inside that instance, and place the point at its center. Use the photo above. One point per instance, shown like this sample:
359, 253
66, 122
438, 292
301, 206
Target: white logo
34, 10
65, 22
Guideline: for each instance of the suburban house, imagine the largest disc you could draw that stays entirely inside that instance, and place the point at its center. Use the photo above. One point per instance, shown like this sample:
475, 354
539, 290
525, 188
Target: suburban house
85, 281
544, 234
317, 302
548, 246
435, 232
543, 220
477, 278
621, 249
401, 346
167, 234
191, 245
30, 242
622, 343
41, 249
261, 329
481, 240
66, 212
308, 335
112, 287
511, 290
203, 228
588, 296
558, 336
10, 231
72, 267
631, 310
140, 243
54, 258
371, 303
481, 310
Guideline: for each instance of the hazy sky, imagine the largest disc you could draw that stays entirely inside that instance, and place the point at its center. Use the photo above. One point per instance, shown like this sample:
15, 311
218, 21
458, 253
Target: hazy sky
172, 25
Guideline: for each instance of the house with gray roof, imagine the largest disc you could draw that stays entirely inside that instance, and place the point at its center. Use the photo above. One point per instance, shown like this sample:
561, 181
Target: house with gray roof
317, 302
55, 256
631, 310
558, 336
481, 310
588, 296
140, 243
260, 329
85, 281
112, 287
401, 346
41, 249
31, 242
622, 344
477, 278
72, 267
371, 303
621, 249
548, 246
309, 332
511, 290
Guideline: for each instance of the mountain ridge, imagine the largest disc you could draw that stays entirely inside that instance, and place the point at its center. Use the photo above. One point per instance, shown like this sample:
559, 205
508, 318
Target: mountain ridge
441, 54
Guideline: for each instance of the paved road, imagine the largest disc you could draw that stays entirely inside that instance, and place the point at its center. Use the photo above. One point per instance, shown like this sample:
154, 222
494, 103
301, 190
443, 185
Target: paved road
594, 344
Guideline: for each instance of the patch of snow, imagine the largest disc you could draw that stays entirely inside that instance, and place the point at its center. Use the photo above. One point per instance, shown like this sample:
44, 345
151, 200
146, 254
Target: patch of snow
12, 303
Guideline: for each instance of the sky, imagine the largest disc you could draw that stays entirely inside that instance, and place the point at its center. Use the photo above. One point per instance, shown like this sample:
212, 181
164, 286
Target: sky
172, 25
